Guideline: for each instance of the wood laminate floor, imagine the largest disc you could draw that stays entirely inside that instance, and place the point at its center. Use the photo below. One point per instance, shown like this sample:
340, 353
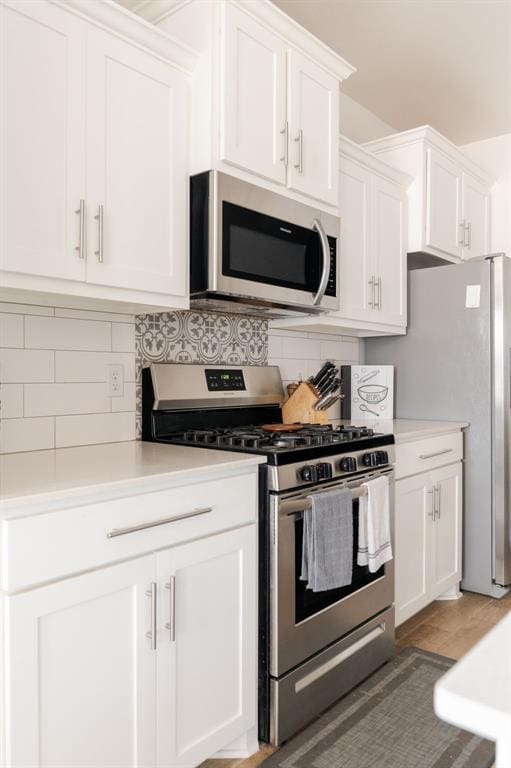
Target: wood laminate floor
449, 628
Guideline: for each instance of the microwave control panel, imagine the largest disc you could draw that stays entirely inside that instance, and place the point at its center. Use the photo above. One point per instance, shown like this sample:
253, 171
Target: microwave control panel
219, 380
331, 288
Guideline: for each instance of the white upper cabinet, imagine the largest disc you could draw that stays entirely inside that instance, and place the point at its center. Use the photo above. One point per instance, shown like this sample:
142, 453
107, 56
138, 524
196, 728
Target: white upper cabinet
313, 129
448, 201
444, 226
265, 97
253, 97
94, 155
137, 172
372, 249
42, 123
475, 214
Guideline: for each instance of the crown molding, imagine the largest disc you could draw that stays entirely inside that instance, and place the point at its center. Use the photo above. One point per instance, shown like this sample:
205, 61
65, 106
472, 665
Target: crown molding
272, 17
426, 134
359, 154
114, 18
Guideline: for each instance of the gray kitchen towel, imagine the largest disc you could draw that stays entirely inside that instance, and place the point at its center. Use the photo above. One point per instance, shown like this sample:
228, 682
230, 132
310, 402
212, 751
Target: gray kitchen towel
327, 549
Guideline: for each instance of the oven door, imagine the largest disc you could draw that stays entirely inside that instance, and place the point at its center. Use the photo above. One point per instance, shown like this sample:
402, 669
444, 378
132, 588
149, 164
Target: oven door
305, 622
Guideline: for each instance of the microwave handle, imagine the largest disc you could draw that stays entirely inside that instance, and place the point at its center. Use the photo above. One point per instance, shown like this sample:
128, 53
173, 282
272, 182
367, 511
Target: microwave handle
325, 248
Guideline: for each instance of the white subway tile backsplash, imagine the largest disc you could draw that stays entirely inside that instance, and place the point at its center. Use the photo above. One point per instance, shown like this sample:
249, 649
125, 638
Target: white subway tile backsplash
300, 349
11, 330
89, 314
123, 337
60, 399
26, 435
91, 366
127, 401
274, 345
11, 401
26, 365
98, 428
26, 309
67, 333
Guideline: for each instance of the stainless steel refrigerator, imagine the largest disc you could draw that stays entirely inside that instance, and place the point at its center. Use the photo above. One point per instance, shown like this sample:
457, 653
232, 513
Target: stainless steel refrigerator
455, 364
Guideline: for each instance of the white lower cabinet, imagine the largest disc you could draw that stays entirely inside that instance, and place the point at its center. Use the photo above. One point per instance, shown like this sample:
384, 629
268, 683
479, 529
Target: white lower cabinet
428, 527
80, 672
207, 643
150, 662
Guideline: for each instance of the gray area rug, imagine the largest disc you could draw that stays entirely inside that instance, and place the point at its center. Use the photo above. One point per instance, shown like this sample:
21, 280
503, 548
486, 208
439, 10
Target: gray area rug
387, 722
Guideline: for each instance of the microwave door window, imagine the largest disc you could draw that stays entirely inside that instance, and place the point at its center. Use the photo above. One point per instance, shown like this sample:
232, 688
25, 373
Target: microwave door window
267, 250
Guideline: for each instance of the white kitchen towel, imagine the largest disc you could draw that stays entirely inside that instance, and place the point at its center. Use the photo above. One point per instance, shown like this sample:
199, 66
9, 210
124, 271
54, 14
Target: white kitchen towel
327, 549
374, 544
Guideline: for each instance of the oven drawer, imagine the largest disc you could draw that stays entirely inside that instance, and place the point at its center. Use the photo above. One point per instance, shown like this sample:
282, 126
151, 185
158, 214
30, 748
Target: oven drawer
423, 455
50, 546
299, 696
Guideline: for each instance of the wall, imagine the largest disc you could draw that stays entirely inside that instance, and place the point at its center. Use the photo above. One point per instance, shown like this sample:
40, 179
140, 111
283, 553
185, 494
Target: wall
53, 377
495, 155
54, 366
360, 124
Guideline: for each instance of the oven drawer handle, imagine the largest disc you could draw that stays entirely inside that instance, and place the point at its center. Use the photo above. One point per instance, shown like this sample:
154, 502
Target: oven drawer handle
293, 506
325, 250
154, 523
435, 453
327, 667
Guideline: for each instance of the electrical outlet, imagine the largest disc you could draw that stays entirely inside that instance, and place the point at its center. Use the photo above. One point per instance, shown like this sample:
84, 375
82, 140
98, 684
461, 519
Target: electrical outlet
115, 380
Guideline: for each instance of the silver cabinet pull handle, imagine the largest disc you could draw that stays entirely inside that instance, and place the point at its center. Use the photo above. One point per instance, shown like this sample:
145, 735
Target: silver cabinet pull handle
299, 139
81, 235
372, 281
379, 292
438, 491
435, 453
469, 235
285, 132
151, 635
431, 513
171, 626
154, 523
325, 271
461, 234
99, 218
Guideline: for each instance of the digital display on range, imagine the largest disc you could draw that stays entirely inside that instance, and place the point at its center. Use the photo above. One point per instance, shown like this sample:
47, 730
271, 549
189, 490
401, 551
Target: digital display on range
225, 381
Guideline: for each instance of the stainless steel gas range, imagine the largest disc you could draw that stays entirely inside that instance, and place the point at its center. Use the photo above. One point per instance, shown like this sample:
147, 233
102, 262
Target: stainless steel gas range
313, 646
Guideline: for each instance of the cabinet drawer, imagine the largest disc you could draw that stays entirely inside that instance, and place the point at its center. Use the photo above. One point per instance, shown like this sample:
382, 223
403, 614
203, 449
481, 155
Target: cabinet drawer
423, 455
56, 544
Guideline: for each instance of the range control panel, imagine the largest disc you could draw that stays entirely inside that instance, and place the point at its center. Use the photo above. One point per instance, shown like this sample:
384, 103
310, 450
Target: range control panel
221, 380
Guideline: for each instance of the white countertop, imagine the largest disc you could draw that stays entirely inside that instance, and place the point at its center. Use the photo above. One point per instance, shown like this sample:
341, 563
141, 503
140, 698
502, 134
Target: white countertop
405, 430
47, 477
476, 693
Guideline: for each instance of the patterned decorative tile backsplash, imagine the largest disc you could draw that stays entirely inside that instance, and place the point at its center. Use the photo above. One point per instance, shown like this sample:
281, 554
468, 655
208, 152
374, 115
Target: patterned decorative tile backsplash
198, 337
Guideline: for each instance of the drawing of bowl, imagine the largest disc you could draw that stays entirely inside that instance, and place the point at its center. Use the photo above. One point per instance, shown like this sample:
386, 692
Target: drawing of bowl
373, 393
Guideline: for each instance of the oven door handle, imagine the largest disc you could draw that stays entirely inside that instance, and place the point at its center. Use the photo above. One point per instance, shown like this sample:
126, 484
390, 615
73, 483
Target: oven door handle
325, 250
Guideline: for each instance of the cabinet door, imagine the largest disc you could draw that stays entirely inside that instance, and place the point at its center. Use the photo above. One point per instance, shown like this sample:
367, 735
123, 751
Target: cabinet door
42, 132
81, 676
314, 128
388, 222
207, 667
443, 204
357, 267
253, 97
446, 530
413, 510
476, 215
137, 118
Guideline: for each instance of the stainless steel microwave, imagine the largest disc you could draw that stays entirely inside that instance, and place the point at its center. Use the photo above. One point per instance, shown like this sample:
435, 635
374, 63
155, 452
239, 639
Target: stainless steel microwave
255, 251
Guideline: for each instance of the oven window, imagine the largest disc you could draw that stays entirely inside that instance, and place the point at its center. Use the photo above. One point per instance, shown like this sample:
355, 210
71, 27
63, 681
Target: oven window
263, 249
308, 602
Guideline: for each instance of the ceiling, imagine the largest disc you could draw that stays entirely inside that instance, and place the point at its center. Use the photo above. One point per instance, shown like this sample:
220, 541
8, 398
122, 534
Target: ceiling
442, 62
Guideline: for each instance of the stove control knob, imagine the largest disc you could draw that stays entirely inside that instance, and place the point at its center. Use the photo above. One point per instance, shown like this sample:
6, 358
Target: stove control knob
370, 460
348, 464
383, 457
309, 474
324, 470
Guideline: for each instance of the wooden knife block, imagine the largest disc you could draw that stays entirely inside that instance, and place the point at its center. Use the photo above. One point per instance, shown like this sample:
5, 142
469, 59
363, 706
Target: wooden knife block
299, 407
